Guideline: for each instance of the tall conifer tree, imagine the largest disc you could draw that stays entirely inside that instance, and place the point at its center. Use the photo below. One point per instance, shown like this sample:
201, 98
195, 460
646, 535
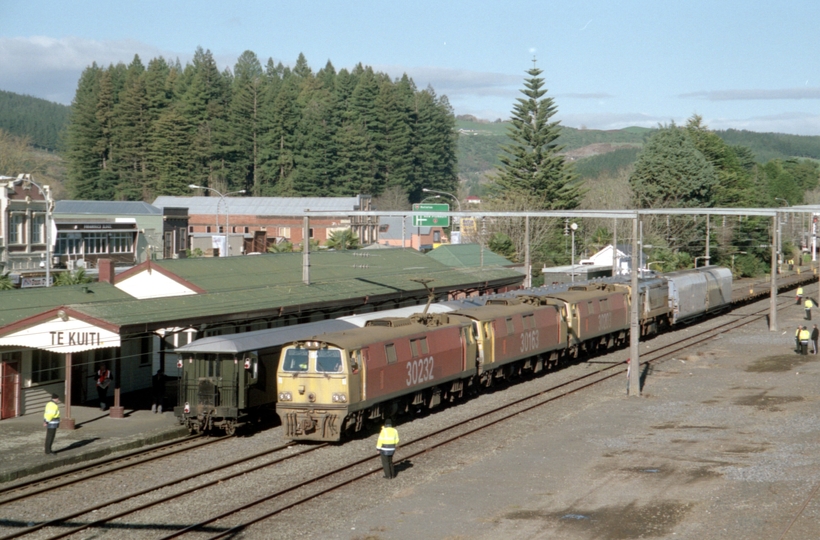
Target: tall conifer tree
531, 164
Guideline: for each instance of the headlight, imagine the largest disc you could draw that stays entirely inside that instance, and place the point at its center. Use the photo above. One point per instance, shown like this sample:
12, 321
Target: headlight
187, 408
285, 396
339, 398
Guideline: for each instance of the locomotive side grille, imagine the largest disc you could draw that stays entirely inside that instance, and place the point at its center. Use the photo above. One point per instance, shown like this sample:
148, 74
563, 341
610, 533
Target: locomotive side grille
390, 322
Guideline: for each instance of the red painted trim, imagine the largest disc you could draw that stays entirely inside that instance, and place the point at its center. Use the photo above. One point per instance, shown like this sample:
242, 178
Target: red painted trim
50, 315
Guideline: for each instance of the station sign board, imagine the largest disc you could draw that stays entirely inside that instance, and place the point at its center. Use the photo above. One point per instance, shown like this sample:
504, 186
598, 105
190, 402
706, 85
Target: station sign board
429, 218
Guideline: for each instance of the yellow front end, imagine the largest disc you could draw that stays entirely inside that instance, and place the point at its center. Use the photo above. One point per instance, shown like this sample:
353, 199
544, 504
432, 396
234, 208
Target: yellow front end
313, 391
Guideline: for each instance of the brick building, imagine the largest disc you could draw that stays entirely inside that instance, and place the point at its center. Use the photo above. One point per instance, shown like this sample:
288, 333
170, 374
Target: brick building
252, 223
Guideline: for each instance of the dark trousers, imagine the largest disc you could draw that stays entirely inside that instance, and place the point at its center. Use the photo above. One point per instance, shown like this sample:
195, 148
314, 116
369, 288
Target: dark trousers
814, 344
50, 433
387, 465
799, 300
102, 393
808, 314
804, 347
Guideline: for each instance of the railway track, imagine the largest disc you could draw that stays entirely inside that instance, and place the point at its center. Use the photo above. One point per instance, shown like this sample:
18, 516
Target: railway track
291, 495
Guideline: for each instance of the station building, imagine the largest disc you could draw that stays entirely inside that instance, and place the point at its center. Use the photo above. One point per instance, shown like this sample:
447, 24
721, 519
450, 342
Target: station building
52, 340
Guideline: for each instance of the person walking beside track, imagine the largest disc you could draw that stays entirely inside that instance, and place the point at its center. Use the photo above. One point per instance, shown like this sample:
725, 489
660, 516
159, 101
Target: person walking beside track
805, 335
815, 335
51, 421
103, 380
799, 296
386, 446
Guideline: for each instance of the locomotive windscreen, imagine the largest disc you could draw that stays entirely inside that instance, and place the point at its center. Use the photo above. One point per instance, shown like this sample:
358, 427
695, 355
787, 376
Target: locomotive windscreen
328, 361
296, 360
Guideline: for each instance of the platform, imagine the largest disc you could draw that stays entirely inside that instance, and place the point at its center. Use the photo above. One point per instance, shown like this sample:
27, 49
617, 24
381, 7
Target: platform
96, 434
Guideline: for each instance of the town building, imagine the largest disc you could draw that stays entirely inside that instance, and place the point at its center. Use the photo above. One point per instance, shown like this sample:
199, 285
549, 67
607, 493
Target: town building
253, 223
24, 229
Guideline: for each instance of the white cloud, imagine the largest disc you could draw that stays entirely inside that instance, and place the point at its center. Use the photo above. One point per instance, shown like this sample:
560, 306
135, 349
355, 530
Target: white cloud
49, 68
755, 94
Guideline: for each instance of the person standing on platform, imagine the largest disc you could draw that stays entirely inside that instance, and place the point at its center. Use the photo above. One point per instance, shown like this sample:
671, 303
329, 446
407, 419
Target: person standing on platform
805, 335
386, 446
799, 297
807, 304
158, 391
51, 421
815, 335
103, 380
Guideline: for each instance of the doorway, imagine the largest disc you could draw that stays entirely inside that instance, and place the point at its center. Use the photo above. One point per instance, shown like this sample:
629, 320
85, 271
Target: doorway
9, 384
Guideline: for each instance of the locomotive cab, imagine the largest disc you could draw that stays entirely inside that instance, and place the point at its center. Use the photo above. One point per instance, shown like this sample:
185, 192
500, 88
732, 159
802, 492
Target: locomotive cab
313, 378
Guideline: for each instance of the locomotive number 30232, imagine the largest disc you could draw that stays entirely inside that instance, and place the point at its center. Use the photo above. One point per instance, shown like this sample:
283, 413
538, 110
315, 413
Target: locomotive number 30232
419, 371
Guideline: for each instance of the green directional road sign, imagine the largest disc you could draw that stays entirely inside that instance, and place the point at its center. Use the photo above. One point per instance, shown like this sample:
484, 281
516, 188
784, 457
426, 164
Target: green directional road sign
430, 219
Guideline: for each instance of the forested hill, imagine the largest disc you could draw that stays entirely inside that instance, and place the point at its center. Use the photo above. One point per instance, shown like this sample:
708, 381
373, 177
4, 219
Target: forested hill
598, 151
38, 120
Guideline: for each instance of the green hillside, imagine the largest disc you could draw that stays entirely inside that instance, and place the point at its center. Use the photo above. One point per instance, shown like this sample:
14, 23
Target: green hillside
38, 120
597, 151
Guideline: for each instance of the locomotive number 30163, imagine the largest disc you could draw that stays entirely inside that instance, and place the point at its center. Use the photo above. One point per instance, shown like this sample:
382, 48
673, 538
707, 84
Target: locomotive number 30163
419, 371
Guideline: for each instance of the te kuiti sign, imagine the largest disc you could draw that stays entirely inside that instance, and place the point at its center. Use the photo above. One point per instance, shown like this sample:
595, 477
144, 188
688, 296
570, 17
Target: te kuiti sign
63, 336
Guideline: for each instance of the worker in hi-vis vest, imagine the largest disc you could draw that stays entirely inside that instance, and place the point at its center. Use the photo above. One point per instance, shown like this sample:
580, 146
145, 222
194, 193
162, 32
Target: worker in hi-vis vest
386, 445
51, 420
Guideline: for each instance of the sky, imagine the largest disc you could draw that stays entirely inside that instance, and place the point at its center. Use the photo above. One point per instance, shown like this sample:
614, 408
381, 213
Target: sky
607, 64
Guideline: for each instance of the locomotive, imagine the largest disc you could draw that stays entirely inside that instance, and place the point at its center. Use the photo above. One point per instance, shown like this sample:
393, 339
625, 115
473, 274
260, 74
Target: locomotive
330, 378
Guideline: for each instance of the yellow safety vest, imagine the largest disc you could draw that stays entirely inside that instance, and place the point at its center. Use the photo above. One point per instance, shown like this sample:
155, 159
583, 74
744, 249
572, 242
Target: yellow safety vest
800, 291
388, 440
807, 303
52, 412
804, 335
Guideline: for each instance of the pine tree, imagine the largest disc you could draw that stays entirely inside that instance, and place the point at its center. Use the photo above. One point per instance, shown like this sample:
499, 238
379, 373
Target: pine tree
170, 144
131, 136
246, 120
82, 137
531, 164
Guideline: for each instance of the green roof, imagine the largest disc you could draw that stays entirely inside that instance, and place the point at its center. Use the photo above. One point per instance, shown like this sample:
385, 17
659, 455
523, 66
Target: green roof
467, 256
238, 287
17, 304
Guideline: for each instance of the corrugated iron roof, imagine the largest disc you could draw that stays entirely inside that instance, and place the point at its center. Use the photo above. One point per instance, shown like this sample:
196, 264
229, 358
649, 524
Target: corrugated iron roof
239, 287
466, 255
114, 208
259, 206
18, 304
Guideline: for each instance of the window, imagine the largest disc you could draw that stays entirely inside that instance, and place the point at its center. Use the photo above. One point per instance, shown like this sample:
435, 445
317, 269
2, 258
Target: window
384, 228
16, 228
183, 240
69, 244
191, 229
221, 229
96, 243
246, 230
417, 345
329, 361
310, 232
284, 231
37, 227
45, 366
436, 236
390, 352
122, 242
208, 229
510, 327
296, 360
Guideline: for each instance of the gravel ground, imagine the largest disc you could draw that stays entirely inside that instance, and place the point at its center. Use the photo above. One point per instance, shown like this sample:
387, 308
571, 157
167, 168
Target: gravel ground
722, 445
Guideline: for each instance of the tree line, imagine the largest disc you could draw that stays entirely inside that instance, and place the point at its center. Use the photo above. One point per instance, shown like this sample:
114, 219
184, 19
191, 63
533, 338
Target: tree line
137, 131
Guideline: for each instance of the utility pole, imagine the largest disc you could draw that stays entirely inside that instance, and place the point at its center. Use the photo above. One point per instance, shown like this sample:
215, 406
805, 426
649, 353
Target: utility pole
634, 332
773, 285
306, 250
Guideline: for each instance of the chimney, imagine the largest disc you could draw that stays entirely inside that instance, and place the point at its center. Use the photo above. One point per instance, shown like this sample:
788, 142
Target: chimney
106, 269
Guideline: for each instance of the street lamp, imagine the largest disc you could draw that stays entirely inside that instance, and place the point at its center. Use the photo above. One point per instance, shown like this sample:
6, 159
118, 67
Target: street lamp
227, 212
573, 227
46, 192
